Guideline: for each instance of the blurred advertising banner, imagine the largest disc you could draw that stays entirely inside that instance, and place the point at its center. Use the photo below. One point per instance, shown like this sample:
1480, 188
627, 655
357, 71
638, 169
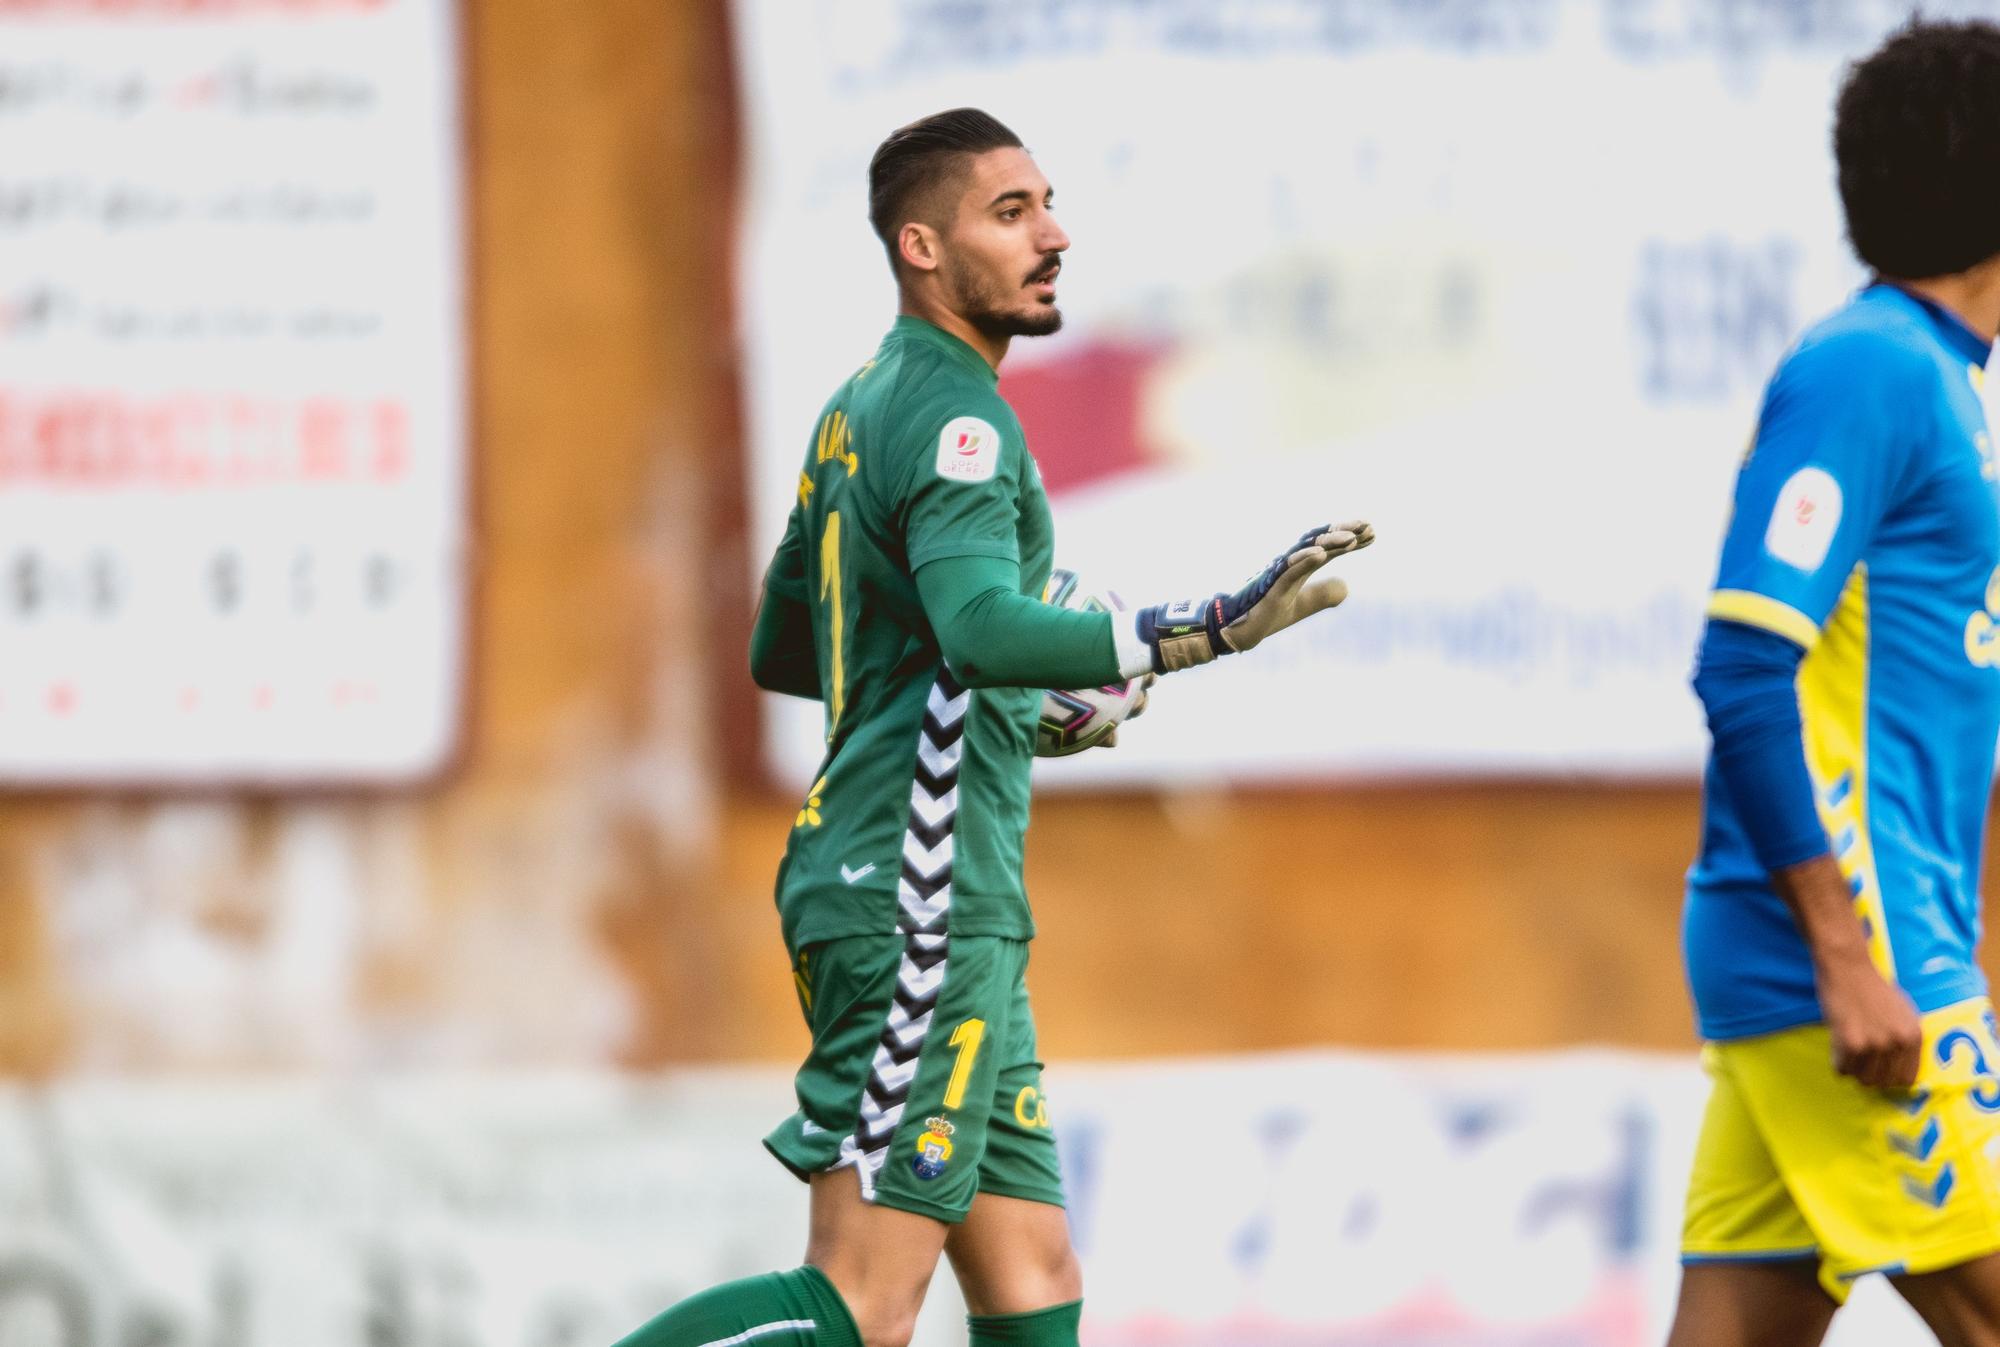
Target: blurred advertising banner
1331, 1199
232, 405
1503, 276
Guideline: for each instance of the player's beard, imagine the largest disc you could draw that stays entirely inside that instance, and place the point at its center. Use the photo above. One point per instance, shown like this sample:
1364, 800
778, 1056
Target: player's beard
984, 302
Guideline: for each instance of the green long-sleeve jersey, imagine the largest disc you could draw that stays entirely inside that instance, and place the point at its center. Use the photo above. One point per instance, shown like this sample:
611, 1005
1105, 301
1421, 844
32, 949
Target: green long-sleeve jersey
917, 817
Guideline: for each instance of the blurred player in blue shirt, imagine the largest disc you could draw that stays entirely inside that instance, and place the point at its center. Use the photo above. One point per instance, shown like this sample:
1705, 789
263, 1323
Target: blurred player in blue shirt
1851, 674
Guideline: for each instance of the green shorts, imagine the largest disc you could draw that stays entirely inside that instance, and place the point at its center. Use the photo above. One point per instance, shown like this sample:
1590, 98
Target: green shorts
922, 1076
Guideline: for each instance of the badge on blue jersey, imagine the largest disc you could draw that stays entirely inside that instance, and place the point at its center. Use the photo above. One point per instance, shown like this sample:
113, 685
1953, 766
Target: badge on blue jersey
1805, 519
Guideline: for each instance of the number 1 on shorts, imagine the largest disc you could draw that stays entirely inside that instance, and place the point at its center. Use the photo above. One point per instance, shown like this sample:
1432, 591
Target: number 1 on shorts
966, 1039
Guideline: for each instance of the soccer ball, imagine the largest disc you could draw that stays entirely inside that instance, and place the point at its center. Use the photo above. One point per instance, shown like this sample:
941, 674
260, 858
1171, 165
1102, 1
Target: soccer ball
1074, 719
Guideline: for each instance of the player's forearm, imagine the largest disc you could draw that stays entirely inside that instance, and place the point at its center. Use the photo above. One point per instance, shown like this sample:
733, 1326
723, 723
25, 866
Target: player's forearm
1822, 906
1002, 638
782, 657
992, 635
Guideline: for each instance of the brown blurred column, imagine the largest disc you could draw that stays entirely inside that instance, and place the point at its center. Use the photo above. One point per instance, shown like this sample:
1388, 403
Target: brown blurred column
33, 1029
605, 169
555, 901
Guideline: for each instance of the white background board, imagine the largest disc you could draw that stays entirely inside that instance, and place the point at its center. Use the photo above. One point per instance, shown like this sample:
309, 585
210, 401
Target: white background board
1504, 277
232, 406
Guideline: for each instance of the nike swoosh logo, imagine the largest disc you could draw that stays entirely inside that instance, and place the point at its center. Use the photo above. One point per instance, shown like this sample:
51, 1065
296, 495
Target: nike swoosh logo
856, 876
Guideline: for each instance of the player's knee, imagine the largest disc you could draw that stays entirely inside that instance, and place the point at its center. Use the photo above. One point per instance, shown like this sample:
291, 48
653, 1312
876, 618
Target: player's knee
1035, 1275
884, 1309
1049, 1277
1065, 1277
884, 1323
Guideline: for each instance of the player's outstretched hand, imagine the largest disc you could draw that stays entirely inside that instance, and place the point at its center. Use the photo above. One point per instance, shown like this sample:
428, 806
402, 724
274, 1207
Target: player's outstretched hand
1196, 631
1281, 596
1877, 1036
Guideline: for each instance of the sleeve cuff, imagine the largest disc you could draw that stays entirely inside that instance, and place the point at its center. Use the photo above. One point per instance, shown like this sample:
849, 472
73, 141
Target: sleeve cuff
1135, 656
1783, 855
1766, 614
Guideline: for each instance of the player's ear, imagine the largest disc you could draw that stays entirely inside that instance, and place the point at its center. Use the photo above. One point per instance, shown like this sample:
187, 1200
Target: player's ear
918, 244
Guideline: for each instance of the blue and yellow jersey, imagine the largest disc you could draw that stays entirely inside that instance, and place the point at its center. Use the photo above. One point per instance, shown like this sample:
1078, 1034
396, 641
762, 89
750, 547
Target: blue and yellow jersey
1867, 530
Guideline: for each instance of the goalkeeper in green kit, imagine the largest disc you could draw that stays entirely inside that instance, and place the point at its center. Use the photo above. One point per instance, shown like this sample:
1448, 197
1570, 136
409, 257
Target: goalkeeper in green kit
904, 596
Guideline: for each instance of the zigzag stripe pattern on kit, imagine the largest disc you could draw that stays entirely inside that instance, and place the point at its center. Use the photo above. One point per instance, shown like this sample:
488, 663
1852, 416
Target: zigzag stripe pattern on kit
925, 893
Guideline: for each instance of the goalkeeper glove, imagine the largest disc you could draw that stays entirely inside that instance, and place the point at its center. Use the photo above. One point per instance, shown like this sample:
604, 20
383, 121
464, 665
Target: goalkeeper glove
1195, 631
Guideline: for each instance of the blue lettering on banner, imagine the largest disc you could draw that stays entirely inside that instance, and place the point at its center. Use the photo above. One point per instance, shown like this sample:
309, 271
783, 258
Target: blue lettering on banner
1713, 315
1277, 1133
1739, 36
1519, 635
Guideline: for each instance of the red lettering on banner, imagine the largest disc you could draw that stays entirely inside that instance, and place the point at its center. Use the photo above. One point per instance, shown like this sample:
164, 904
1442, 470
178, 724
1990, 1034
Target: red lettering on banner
392, 441
110, 441
323, 439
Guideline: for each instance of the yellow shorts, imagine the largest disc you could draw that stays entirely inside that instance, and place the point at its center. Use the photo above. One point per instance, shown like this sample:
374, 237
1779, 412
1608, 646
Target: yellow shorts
1795, 1161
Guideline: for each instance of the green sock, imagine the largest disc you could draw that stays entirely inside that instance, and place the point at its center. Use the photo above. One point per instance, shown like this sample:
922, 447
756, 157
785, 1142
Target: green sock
799, 1308
1053, 1327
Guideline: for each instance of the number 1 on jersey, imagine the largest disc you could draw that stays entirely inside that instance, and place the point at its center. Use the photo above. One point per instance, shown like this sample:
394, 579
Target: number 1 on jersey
966, 1039
829, 587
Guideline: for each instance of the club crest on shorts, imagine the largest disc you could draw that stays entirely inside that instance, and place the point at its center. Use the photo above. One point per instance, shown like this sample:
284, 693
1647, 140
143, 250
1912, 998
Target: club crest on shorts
933, 1148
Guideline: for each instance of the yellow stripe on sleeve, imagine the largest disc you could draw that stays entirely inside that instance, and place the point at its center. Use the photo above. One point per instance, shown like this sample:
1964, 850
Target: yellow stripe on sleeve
1760, 610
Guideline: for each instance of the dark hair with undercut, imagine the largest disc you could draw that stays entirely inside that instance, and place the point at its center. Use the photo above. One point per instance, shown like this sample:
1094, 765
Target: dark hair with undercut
920, 158
1917, 137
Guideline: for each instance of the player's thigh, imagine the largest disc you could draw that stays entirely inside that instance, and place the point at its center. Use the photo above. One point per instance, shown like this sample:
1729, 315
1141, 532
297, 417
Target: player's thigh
899, 1081
1747, 1304
1020, 1158
880, 1259
927, 1114
1960, 1304
1740, 1209
1751, 1270
1013, 1255
847, 991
